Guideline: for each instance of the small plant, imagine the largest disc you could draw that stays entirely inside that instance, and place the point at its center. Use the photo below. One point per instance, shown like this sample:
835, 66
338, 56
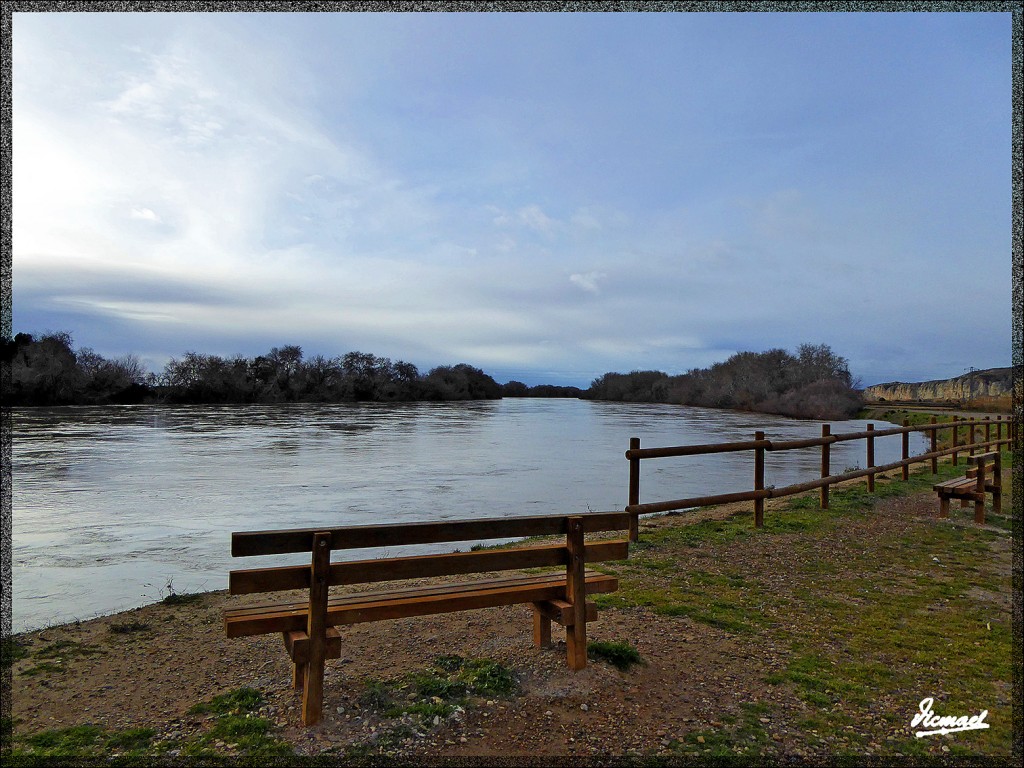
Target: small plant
620, 655
178, 598
488, 678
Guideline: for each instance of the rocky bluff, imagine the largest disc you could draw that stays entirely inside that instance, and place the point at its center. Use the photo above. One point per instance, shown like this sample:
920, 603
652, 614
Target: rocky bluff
990, 383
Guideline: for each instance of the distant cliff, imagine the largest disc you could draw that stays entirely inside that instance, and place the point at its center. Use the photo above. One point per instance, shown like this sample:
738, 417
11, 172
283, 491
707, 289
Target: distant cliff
991, 383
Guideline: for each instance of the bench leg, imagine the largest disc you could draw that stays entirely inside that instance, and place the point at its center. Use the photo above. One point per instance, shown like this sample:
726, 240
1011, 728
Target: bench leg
576, 645
997, 501
298, 676
316, 630
965, 503
979, 511
943, 506
576, 593
541, 629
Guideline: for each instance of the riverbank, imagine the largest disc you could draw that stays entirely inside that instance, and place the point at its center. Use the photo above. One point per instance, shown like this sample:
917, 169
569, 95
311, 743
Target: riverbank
815, 637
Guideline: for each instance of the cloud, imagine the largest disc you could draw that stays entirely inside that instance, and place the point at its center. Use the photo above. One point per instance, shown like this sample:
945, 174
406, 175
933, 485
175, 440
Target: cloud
588, 281
146, 214
529, 217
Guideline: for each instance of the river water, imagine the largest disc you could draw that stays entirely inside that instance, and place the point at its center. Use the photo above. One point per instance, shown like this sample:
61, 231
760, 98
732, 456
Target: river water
115, 506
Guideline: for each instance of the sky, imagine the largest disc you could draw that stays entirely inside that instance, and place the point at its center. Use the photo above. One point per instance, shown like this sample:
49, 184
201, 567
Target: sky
545, 196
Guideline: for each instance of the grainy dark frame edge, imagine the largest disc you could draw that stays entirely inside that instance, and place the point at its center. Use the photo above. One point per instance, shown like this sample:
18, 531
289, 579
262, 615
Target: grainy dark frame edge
1017, 258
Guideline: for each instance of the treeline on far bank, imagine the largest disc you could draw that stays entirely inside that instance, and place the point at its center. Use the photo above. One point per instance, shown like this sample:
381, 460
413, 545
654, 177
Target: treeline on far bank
813, 383
48, 371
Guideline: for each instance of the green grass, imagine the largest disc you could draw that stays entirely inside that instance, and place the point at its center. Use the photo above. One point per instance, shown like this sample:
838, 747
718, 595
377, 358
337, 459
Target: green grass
428, 695
620, 655
237, 701
84, 742
66, 649
249, 740
864, 632
740, 739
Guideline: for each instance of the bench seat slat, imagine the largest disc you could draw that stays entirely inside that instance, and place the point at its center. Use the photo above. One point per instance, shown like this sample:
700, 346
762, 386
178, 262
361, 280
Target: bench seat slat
254, 580
353, 609
956, 485
422, 589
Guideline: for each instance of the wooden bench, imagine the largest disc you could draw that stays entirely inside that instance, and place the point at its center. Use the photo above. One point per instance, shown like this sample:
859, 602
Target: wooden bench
309, 627
974, 486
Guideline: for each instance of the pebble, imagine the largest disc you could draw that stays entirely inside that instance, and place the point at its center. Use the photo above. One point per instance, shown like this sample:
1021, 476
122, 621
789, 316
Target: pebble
584, 707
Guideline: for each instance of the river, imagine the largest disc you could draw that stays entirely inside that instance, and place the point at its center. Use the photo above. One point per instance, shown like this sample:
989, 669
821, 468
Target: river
115, 506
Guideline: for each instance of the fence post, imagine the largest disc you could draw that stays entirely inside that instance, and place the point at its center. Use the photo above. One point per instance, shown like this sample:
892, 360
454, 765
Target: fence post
956, 429
634, 490
988, 434
970, 436
871, 458
758, 481
935, 447
906, 450
826, 430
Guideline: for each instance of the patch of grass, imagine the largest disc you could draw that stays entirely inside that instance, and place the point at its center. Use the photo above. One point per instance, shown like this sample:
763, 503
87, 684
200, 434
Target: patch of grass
718, 614
620, 655
429, 684
184, 598
238, 701
44, 668
65, 649
440, 689
248, 740
489, 678
84, 742
248, 737
131, 739
743, 737
75, 740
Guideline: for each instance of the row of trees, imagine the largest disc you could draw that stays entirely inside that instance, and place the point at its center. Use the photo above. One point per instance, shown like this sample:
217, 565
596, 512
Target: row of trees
48, 371
519, 389
812, 383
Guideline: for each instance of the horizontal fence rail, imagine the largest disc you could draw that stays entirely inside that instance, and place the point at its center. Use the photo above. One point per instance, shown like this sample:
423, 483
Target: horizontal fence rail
760, 444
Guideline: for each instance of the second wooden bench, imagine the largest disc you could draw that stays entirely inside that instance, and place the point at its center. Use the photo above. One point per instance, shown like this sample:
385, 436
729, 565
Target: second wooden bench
308, 626
974, 486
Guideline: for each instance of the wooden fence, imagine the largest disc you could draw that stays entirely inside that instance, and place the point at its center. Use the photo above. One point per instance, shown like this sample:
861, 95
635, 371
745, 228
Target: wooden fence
759, 445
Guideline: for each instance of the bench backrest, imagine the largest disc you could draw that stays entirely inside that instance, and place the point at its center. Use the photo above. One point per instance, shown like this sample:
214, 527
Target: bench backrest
983, 462
421, 566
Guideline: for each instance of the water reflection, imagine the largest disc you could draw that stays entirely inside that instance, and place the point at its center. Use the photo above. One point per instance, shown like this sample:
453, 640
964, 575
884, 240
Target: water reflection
108, 500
